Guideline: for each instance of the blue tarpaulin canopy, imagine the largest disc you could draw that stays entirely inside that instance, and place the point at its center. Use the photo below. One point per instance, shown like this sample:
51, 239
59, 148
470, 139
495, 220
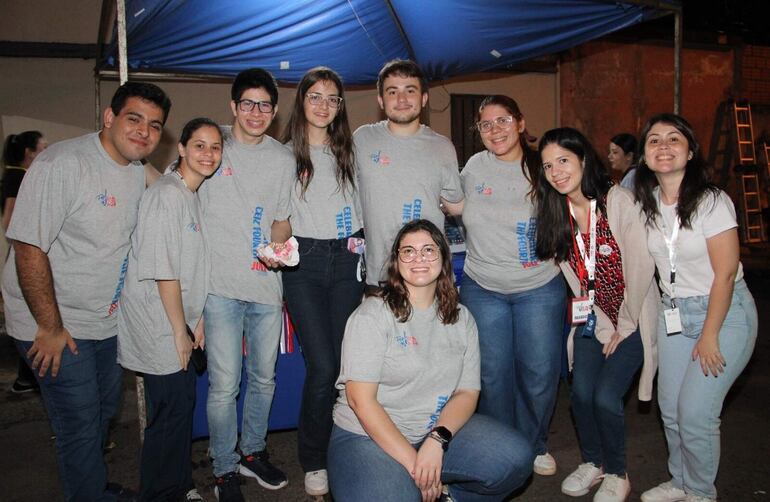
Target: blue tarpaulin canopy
355, 37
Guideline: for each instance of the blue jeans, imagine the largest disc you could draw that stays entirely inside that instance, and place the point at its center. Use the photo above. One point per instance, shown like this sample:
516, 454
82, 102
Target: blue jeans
80, 402
485, 461
321, 293
228, 323
690, 403
520, 340
598, 387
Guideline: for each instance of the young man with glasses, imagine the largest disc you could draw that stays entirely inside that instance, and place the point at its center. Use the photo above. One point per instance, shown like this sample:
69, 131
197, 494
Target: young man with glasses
71, 231
245, 205
405, 169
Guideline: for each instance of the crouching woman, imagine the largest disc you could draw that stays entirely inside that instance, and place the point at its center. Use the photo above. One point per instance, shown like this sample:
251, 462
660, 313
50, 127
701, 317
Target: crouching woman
405, 426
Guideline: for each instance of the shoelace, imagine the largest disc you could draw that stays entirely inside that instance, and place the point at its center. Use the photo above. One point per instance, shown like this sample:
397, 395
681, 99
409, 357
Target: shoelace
583, 472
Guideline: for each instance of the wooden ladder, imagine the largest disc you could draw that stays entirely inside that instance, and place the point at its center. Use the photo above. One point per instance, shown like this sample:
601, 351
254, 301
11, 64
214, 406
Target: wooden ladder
753, 226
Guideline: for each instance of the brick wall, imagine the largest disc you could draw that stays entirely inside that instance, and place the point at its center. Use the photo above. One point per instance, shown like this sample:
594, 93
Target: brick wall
755, 74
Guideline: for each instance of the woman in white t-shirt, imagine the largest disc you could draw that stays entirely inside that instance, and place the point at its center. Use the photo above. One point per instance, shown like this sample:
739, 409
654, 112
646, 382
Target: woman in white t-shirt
409, 384
708, 321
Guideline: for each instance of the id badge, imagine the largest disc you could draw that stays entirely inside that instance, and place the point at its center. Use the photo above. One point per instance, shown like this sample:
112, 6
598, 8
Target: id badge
673, 321
589, 327
581, 308
356, 245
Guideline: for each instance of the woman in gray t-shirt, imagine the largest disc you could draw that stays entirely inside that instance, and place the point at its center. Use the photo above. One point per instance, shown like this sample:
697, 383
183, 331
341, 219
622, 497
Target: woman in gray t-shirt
409, 385
517, 299
162, 301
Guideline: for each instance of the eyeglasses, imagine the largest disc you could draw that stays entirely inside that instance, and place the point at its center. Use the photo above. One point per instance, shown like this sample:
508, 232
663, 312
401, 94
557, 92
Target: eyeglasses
408, 254
501, 122
247, 105
317, 99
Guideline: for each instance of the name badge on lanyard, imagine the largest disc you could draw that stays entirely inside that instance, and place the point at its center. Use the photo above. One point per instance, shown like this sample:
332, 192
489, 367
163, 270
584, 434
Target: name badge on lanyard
671, 315
583, 305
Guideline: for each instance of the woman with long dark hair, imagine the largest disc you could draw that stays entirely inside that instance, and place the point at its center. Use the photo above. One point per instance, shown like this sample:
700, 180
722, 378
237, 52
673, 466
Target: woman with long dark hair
707, 323
324, 288
409, 384
166, 283
517, 300
596, 234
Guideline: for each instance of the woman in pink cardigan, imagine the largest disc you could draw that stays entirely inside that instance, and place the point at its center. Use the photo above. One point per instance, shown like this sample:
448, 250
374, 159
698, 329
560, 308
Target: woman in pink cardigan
596, 234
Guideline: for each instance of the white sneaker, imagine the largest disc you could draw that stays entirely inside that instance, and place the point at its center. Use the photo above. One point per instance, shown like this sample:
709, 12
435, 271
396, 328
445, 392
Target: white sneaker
695, 498
664, 492
581, 480
317, 482
545, 465
613, 489
193, 496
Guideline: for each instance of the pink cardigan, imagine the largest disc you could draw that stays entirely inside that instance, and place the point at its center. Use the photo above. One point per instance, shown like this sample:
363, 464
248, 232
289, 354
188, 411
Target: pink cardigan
641, 297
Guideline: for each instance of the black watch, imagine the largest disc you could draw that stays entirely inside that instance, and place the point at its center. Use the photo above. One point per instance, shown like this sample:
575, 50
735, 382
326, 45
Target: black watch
442, 435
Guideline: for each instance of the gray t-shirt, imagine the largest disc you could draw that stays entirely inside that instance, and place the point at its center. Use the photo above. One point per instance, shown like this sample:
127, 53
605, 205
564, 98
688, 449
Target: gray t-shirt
249, 191
418, 364
500, 227
79, 206
168, 244
401, 178
326, 211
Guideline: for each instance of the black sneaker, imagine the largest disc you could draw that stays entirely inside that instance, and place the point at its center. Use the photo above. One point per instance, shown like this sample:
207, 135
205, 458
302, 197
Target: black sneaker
257, 465
23, 386
227, 488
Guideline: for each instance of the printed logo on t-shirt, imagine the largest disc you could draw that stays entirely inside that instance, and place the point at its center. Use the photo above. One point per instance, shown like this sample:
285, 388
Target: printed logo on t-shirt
107, 200
525, 234
224, 171
405, 340
411, 211
194, 226
483, 189
344, 221
257, 238
441, 402
380, 158
119, 288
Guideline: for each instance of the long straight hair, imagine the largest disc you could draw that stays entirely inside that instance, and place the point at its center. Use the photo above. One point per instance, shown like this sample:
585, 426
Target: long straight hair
554, 232
16, 146
530, 161
395, 293
695, 183
340, 138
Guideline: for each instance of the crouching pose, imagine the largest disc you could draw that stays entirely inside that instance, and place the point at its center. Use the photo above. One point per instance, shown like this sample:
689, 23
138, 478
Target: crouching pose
165, 290
596, 234
409, 384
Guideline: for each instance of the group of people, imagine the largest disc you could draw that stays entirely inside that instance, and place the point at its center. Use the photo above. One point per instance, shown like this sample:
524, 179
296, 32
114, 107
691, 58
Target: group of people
414, 391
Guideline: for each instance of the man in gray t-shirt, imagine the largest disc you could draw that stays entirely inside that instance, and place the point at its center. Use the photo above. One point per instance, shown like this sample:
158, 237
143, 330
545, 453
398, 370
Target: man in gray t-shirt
245, 204
71, 231
405, 169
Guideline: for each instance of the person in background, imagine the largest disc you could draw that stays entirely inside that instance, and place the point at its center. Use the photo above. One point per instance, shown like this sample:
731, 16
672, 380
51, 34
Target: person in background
163, 298
596, 234
71, 234
621, 156
517, 299
322, 291
19, 152
707, 324
405, 426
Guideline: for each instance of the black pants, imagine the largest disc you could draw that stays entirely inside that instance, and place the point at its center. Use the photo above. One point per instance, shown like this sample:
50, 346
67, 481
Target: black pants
166, 470
321, 293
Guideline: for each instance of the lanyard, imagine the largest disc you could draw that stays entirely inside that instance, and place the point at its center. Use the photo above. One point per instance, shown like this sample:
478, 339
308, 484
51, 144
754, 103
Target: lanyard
588, 265
671, 245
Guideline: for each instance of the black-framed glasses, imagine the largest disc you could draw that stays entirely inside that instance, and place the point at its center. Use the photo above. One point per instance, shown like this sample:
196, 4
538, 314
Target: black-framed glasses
501, 122
317, 99
247, 105
408, 254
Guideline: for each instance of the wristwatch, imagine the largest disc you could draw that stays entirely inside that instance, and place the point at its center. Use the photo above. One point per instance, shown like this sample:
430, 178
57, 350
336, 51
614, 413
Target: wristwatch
442, 435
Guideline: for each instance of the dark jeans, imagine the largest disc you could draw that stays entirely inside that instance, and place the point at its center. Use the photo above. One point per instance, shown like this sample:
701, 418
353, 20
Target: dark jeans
80, 402
520, 340
321, 293
598, 387
166, 470
485, 462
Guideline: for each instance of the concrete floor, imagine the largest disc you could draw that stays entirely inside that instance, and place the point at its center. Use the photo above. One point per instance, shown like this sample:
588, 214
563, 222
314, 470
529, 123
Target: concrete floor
29, 471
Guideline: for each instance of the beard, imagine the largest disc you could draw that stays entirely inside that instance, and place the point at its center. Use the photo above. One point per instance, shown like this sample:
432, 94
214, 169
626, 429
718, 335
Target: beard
403, 118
